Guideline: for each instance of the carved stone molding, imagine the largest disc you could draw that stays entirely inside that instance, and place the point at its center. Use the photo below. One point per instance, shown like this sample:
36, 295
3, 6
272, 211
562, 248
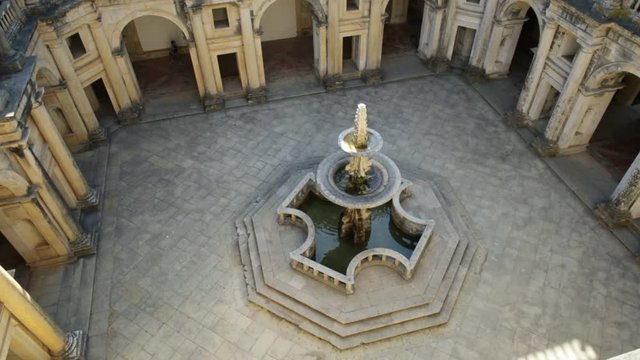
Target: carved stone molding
545, 147
86, 245
75, 346
91, 200
213, 102
629, 195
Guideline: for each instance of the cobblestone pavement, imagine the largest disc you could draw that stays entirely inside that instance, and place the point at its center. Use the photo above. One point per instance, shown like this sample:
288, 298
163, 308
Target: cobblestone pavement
169, 282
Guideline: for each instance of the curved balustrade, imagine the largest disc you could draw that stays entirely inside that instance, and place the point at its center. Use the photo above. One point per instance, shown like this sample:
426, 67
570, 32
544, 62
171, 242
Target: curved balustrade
301, 257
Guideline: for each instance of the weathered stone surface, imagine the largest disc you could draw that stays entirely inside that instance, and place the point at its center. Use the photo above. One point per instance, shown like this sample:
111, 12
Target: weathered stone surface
169, 283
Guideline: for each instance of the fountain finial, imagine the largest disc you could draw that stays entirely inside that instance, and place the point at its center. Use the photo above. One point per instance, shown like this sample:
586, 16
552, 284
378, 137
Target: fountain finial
361, 133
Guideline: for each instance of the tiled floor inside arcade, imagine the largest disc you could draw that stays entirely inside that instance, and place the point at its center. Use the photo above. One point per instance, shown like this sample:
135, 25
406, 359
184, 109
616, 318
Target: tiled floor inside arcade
169, 282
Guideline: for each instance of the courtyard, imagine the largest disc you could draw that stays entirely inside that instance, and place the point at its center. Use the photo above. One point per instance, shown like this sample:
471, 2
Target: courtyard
169, 283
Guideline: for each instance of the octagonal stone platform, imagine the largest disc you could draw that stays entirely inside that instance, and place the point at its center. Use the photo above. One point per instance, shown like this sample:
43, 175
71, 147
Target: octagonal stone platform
384, 305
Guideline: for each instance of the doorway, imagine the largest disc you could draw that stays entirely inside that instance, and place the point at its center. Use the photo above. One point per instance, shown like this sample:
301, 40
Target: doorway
230, 75
350, 54
462, 47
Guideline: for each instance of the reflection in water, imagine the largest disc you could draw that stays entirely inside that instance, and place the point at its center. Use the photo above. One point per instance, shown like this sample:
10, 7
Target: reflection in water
336, 254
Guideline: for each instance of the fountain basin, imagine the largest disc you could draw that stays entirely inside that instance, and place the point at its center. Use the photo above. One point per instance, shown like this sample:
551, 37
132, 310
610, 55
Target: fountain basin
303, 258
389, 183
347, 143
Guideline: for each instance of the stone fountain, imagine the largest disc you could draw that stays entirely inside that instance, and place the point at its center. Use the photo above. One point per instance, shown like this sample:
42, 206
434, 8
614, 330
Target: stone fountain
354, 216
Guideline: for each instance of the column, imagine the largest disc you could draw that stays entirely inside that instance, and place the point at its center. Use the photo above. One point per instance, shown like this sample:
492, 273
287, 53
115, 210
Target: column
485, 33
586, 113
624, 204
204, 58
254, 93
493, 49
65, 66
70, 112
128, 75
197, 69
373, 73
537, 66
502, 47
17, 300
568, 94
86, 196
320, 47
112, 71
333, 79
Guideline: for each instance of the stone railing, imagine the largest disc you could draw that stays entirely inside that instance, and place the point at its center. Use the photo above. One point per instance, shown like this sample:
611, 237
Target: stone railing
402, 219
301, 257
12, 17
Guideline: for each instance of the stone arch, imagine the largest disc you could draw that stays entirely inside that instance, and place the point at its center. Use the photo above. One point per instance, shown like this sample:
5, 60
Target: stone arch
517, 9
318, 12
116, 35
606, 73
46, 77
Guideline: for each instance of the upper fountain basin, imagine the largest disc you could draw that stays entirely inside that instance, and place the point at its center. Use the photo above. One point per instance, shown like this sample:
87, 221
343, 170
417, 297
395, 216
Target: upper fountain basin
346, 140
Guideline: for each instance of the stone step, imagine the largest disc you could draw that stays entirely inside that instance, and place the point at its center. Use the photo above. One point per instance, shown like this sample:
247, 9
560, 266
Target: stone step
343, 342
353, 316
351, 329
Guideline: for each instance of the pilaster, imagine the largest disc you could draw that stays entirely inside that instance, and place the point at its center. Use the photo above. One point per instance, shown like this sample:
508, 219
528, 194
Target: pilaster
86, 197
65, 66
128, 112
537, 66
210, 100
617, 211
569, 92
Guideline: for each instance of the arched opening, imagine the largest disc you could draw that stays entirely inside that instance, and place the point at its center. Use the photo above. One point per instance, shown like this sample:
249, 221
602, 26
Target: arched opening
615, 142
525, 49
289, 50
514, 40
159, 52
402, 27
10, 258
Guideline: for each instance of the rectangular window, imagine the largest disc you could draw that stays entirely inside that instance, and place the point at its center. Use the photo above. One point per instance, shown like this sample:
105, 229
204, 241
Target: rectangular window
220, 18
353, 5
473, 1
74, 42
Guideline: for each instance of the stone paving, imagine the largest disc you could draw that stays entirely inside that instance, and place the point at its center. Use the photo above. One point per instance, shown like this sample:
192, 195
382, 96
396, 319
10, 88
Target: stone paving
169, 282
